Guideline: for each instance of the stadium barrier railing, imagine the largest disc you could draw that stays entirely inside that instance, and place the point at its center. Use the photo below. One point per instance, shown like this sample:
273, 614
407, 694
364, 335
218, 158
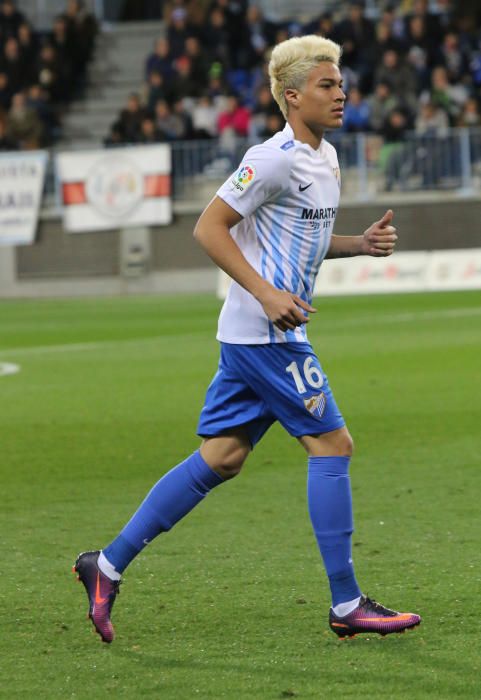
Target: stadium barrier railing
369, 166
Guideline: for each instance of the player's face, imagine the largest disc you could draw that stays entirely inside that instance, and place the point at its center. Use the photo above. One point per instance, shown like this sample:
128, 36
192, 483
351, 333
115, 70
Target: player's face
321, 100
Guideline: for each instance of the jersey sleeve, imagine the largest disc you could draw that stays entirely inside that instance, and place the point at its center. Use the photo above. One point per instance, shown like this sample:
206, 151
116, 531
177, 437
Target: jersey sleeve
262, 176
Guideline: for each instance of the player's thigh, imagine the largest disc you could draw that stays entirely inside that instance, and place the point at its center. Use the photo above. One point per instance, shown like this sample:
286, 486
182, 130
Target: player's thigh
336, 443
232, 408
226, 453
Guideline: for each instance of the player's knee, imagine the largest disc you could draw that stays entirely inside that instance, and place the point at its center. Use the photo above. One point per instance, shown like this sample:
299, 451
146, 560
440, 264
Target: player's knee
230, 464
338, 443
233, 462
341, 443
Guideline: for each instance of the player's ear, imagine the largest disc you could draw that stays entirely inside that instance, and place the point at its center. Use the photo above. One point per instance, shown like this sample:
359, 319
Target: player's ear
292, 97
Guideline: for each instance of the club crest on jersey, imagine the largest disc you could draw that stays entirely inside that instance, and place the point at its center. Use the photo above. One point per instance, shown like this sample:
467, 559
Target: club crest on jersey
316, 404
243, 178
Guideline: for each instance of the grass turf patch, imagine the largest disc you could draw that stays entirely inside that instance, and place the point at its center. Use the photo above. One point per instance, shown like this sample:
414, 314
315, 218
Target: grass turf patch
233, 602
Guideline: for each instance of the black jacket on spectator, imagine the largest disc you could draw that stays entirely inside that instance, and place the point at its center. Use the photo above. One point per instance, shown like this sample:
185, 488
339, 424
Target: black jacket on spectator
10, 20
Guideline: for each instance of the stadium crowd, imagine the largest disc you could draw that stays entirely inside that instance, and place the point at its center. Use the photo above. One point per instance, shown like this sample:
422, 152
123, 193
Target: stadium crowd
40, 72
415, 66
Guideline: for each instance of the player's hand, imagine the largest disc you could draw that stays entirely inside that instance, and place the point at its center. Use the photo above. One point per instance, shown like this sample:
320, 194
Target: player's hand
380, 238
284, 309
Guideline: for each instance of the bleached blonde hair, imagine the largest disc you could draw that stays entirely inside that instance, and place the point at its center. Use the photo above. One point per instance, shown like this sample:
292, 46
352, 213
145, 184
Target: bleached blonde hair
292, 60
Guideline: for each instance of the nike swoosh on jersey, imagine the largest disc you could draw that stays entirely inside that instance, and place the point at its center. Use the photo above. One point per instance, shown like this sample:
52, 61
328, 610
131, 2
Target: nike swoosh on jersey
301, 188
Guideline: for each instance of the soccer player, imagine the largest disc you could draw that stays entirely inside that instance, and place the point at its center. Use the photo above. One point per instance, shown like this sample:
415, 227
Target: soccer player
269, 227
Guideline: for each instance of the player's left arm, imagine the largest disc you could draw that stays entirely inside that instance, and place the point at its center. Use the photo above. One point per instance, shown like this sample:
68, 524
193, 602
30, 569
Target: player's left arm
378, 240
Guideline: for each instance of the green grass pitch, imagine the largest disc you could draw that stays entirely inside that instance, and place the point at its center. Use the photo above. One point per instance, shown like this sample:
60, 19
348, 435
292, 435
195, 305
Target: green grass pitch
233, 602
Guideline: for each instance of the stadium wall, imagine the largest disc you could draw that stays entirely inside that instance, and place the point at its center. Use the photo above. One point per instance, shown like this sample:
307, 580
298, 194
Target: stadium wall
167, 259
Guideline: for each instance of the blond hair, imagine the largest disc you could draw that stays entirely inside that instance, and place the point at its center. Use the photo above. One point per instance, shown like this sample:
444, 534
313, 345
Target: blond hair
293, 59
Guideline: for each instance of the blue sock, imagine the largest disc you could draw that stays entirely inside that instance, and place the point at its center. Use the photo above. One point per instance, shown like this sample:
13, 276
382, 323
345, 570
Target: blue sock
330, 509
168, 501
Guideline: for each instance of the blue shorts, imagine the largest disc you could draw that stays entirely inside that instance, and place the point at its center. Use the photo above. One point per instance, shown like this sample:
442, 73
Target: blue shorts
256, 385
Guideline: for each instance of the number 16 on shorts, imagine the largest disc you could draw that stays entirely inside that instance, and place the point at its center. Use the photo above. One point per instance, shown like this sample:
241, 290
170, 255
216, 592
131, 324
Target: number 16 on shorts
312, 375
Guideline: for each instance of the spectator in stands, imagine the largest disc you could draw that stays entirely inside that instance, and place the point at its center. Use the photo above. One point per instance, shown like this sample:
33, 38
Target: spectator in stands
204, 118
82, 29
216, 38
6, 144
216, 89
28, 44
400, 75
393, 154
471, 114
199, 62
449, 97
453, 58
395, 126
386, 40
53, 76
420, 8
432, 121
114, 137
356, 33
184, 84
23, 124
234, 12
148, 132
13, 64
183, 115
264, 108
5, 93
381, 103
420, 50
395, 24
10, 20
274, 123
37, 100
168, 125
178, 31
324, 26
130, 119
234, 118
64, 48
356, 112
155, 90
161, 61
256, 38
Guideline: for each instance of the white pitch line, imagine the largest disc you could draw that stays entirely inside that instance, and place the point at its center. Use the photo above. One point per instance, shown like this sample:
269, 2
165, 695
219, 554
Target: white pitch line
7, 368
413, 316
363, 320
41, 349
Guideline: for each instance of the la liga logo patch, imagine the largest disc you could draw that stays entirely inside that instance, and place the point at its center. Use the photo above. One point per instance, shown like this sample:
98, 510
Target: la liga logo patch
243, 178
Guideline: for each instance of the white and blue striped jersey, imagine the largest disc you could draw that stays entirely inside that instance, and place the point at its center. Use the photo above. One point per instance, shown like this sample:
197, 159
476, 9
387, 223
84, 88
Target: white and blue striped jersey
288, 195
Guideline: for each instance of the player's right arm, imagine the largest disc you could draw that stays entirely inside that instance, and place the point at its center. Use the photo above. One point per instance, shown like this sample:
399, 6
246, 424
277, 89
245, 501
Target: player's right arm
212, 231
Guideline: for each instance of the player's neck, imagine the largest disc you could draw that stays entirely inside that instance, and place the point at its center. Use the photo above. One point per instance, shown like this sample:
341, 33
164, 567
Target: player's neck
305, 134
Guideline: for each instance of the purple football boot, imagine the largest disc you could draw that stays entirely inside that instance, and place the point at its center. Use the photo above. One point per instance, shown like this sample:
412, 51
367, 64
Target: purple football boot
101, 591
370, 617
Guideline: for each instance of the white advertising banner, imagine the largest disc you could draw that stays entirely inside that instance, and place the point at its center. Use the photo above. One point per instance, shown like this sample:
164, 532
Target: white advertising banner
455, 269
435, 270
21, 187
401, 272
117, 188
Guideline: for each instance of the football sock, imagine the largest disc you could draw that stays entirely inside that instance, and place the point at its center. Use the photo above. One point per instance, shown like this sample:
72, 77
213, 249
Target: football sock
345, 608
182, 488
106, 568
330, 510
